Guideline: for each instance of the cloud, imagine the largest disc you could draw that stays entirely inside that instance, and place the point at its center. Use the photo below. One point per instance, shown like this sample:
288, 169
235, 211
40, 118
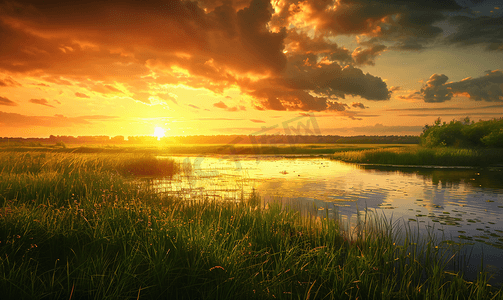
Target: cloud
484, 30
7, 102
407, 25
41, 102
9, 82
169, 96
358, 105
81, 95
214, 49
367, 56
222, 105
460, 114
315, 87
57, 80
299, 43
257, 121
193, 106
413, 96
217, 119
283, 53
486, 88
19, 120
450, 108
104, 89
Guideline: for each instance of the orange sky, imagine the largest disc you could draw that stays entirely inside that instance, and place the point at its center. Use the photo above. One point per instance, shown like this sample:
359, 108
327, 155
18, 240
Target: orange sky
236, 67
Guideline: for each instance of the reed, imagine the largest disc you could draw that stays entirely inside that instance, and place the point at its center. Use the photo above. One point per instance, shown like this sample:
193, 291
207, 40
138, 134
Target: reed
423, 156
110, 237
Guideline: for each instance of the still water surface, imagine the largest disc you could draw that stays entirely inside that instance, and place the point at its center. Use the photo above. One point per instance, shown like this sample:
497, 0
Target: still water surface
461, 205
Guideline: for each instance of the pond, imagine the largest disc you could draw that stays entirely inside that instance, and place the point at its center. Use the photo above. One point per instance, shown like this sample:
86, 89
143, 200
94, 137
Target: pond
462, 205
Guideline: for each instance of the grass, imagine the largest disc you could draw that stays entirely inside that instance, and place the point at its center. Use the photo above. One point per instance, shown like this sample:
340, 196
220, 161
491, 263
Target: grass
90, 231
195, 149
424, 156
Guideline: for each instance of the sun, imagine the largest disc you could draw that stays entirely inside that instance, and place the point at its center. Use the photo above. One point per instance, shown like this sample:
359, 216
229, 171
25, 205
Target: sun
159, 132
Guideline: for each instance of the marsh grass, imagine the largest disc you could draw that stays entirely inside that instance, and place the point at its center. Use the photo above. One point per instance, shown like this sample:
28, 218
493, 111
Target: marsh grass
108, 237
424, 156
197, 149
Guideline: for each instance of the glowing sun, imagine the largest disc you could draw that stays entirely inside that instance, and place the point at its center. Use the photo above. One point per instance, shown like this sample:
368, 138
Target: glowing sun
159, 132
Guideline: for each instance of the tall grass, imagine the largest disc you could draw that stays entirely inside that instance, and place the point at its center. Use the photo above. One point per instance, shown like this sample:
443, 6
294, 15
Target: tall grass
120, 240
424, 156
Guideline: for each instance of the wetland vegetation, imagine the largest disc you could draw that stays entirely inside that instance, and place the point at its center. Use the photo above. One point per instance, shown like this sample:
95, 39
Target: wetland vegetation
81, 225
457, 143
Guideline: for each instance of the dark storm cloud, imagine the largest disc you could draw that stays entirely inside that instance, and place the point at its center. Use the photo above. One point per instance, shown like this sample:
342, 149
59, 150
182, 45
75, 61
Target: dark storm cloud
486, 88
367, 56
483, 30
315, 87
436, 90
408, 25
41, 102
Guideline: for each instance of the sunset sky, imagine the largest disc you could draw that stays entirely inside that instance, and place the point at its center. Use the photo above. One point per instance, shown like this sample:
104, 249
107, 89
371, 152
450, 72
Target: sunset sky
236, 66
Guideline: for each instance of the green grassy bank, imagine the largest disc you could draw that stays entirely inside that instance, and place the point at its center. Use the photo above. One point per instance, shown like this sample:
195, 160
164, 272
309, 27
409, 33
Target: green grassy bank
424, 156
78, 227
206, 149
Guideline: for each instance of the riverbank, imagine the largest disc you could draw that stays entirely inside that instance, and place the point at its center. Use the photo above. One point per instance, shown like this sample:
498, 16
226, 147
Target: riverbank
420, 156
74, 228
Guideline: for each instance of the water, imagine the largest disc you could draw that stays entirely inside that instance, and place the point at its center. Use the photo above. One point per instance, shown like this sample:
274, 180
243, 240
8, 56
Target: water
459, 205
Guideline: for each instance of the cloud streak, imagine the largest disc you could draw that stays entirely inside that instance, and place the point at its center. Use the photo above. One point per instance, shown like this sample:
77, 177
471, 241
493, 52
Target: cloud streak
20, 120
41, 102
9, 82
7, 102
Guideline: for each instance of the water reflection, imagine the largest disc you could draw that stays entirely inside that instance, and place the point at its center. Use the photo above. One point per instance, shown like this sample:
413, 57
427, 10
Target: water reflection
448, 177
463, 205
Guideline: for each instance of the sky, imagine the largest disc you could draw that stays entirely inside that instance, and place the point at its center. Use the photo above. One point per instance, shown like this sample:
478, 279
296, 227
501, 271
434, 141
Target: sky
212, 67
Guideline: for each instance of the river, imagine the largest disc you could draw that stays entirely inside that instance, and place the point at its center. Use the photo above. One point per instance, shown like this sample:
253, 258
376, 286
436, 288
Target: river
462, 205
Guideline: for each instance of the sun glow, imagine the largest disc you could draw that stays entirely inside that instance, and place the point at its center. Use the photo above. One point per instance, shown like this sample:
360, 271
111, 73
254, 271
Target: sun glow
159, 132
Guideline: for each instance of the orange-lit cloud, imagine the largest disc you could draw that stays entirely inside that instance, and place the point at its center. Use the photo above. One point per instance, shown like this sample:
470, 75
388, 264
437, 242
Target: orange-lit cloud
19, 120
222, 105
288, 55
93, 47
9, 82
7, 102
41, 102
81, 95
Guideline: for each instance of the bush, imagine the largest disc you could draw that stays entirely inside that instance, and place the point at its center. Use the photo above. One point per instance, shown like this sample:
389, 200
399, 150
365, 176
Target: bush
463, 134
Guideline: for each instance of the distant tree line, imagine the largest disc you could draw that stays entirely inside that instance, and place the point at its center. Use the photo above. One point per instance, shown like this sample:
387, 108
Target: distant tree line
380, 139
464, 134
273, 139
